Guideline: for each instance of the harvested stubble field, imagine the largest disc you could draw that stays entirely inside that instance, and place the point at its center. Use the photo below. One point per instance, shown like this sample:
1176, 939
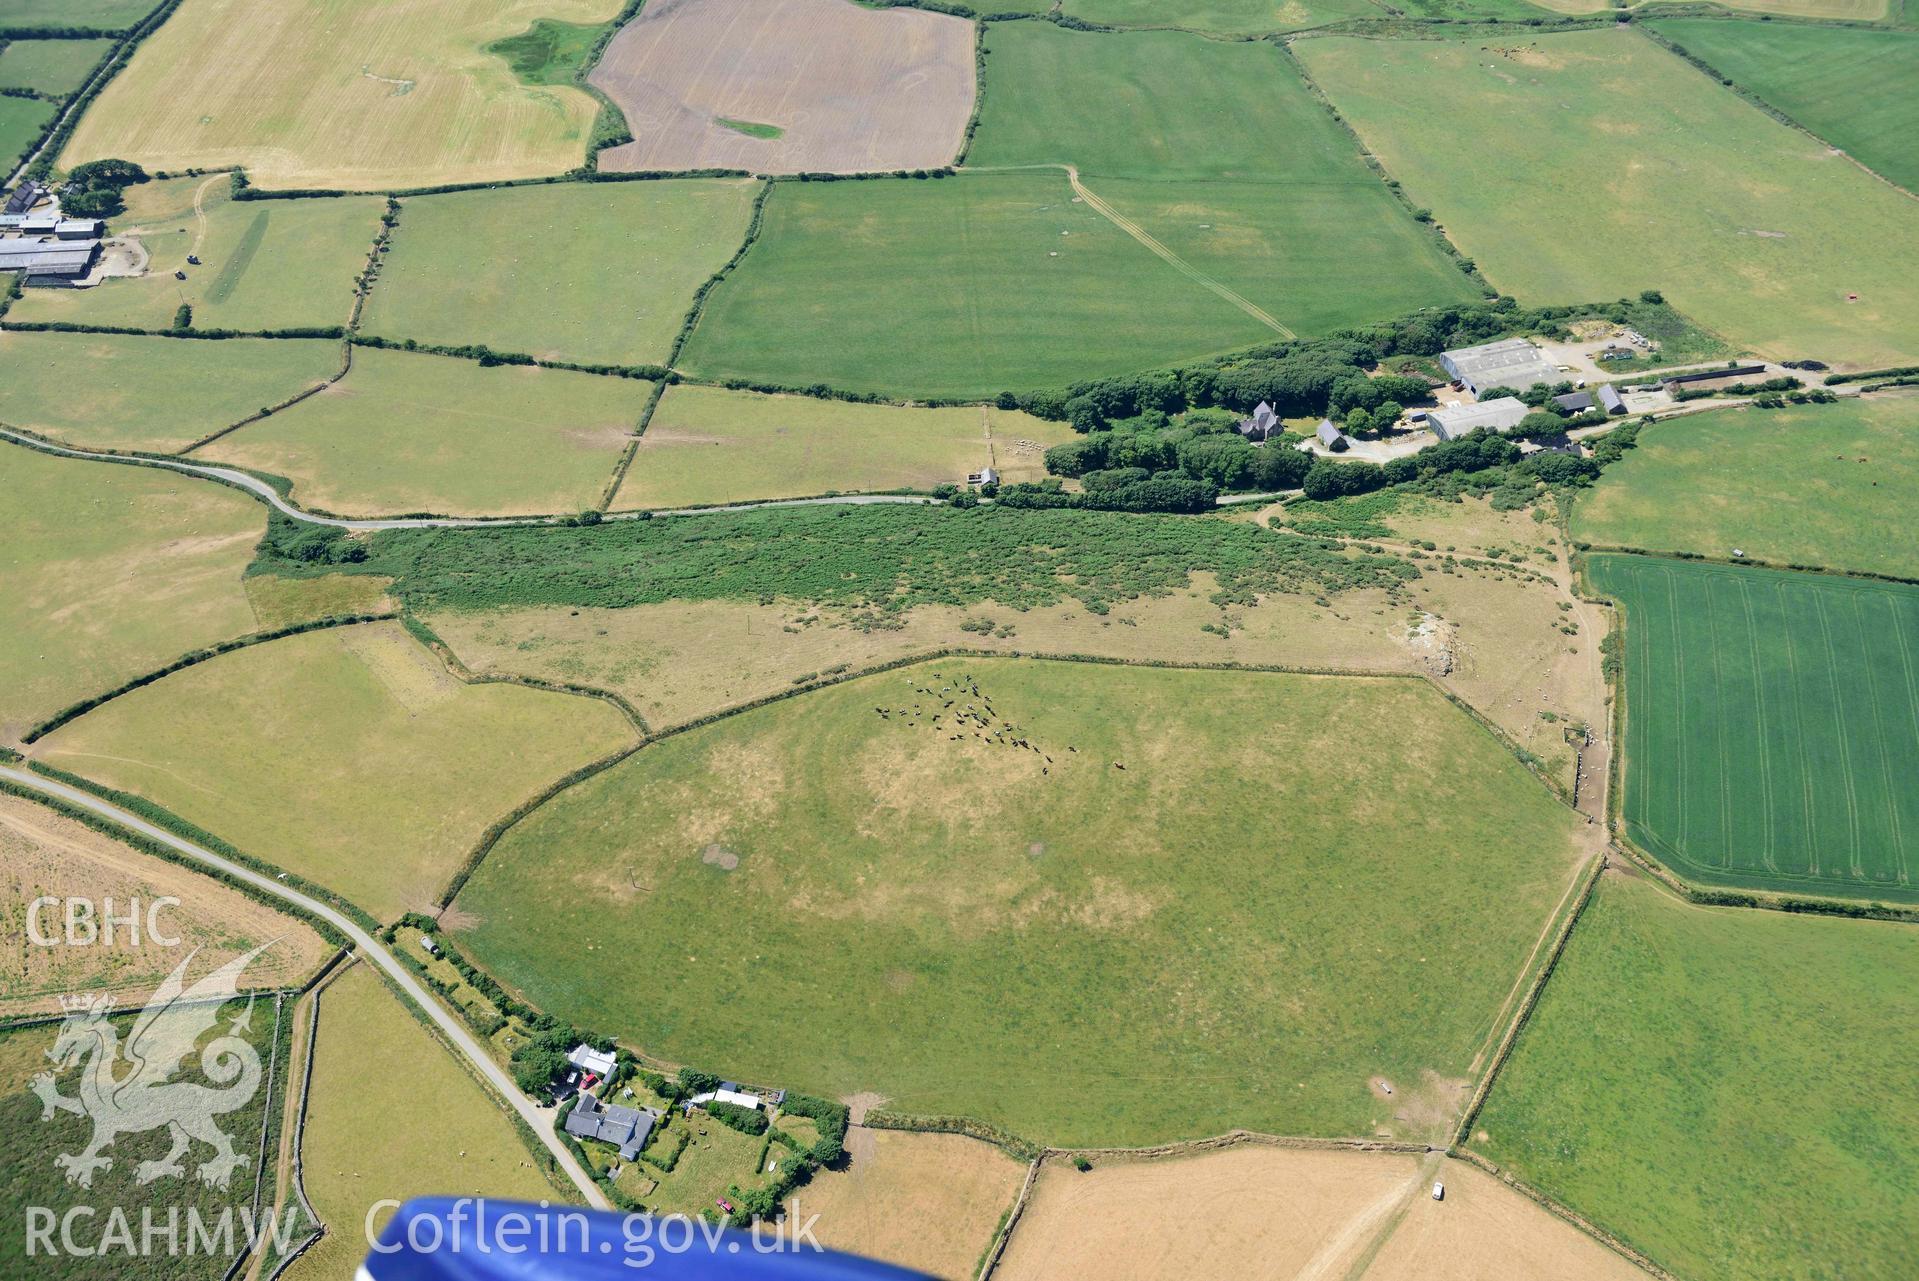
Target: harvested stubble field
1003, 280
1661, 1087
50, 66
1772, 725
119, 391
423, 1128
625, 257
45, 853
848, 89
405, 432
110, 572
1296, 1213
926, 1201
1850, 86
1825, 485
1544, 158
315, 94
349, 756
29, 1177
797, 864
280, 264
710, 445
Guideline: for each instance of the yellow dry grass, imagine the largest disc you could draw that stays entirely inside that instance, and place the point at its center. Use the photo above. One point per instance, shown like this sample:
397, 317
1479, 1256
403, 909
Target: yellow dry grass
926, 1201
349, 94
1256, 1211
43, 853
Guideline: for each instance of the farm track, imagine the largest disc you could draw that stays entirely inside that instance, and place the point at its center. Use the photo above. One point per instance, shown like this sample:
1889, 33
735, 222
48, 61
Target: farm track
1154, 246
449, 1028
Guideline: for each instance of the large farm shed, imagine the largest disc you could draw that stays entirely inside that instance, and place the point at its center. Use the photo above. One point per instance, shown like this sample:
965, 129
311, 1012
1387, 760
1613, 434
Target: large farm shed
1502, 415
1510, 362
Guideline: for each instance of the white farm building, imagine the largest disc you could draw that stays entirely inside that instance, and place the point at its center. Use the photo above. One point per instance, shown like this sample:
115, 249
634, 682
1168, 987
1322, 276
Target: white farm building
1510, 362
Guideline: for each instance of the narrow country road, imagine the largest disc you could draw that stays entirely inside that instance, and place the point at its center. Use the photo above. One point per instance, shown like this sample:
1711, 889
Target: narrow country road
267, 494
368, 946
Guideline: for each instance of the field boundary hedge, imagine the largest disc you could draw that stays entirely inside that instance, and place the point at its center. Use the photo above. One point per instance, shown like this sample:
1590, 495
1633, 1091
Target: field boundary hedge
297, 1165
193, 658
162, 851
754, 224
1752, 97
1588, 881
1744, 562
1567, 1214
167, 820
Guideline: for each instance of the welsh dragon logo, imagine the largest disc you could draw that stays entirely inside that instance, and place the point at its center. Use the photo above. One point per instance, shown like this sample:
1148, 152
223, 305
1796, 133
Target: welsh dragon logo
126, 1089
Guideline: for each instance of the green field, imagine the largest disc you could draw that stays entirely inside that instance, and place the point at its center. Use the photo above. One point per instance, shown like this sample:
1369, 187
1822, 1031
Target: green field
413, 433
597, 273
278, 264
549, 52
1271, 208
1733, 1092
21, 122
1772, 725
30, 1178
1851, 86
367, 1138
99, 15
50, 66
349, 756
1595, 164
1000, 280
710, 445
1824, 485
110, 572
1085, 939
114, 391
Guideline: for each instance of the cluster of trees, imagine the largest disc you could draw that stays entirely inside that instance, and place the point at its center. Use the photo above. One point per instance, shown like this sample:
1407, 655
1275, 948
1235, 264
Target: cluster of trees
1204, 446
310, 544
1122, 489
97, 189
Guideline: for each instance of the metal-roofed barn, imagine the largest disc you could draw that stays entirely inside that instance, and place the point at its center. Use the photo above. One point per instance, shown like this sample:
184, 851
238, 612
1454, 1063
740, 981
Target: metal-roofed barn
1510, 362
47, 258
1454, 421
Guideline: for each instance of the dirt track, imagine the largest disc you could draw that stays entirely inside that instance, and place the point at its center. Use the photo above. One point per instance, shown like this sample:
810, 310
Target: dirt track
852, 89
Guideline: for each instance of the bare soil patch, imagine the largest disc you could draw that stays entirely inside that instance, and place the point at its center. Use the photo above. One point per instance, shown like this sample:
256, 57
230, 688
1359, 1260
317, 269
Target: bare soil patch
925, 1201
849, 89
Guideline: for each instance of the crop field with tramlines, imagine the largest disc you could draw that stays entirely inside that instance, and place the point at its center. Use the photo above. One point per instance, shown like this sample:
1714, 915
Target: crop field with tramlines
1772, 725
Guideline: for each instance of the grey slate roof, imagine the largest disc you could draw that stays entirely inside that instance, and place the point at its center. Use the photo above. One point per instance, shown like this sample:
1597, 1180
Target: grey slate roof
1329, 435
1510, 362
625, 1128
1574, 402
1612, 401
1454, 421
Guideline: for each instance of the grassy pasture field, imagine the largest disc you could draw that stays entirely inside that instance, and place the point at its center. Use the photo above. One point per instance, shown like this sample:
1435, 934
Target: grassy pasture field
50, 66
313, 94
42, 852
29, 1177
1661, 1087
110, 572
1004, 282
368, 1137
626, 258
1595, 163
415, 433
1850, 86
278, 264
711, 445
1772, 725
800, 867
98, 15
1302, 1213
925, 1201
159, 395
1823, 485
21, 122
1270, 209
358, 762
